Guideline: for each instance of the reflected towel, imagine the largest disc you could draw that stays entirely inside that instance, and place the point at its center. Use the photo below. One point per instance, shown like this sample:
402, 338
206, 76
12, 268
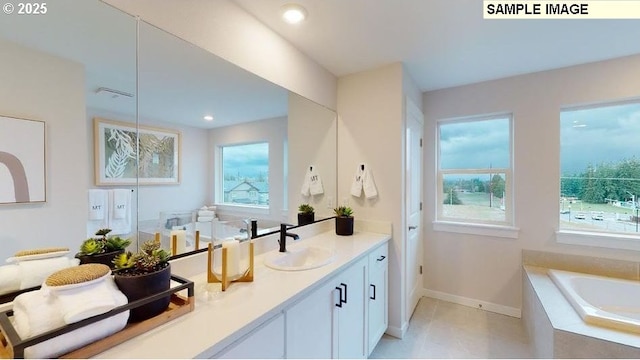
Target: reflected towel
98, 200
205, 218
9, 278
206, 213
369, 185
356, 185
34, 272
120, 213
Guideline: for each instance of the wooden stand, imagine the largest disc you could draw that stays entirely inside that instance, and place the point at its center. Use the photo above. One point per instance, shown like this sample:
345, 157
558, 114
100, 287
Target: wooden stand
211, 276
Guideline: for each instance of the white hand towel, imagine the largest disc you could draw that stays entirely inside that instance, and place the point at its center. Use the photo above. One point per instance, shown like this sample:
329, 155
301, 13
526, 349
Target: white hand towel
206, 213
37, 312
120, 203
98, 204
315, 182
306, 185
84, 301
356, 186
205, 218
120, 225
9, 278
368, 184
34, 272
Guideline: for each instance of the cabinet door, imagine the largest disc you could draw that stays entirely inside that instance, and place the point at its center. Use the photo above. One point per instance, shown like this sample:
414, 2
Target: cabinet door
351, 316
310, 324
378, 296
266, 342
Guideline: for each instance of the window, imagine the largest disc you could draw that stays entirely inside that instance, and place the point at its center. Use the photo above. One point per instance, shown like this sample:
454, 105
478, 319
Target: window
600, 168
245, 174
474, 170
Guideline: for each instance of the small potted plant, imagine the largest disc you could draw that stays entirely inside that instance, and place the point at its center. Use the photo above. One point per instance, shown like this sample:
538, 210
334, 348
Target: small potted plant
102, 249
305, 214
142, 275
344, 220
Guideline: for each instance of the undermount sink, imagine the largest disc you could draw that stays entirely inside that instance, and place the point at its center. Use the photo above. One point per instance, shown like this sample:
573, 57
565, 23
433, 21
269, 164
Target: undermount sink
299, 258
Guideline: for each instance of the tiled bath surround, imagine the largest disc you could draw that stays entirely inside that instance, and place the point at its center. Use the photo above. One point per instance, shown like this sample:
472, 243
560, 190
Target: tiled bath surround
555, 329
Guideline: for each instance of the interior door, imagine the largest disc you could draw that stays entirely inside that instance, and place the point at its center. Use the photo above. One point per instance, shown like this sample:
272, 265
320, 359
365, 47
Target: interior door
413, 202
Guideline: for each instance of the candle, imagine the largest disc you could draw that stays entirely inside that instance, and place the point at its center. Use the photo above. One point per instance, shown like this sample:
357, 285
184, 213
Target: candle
181, 243
233, 257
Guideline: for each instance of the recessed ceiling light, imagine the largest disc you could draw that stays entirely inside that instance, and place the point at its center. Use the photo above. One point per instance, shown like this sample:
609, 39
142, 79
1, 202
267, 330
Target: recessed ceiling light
208, 117
293, 13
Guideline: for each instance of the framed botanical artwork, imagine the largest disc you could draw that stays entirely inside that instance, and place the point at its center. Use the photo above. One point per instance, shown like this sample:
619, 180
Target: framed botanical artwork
116, 162
22, 161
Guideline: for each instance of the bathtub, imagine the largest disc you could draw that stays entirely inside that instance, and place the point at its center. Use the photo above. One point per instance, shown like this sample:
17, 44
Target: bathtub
600, 300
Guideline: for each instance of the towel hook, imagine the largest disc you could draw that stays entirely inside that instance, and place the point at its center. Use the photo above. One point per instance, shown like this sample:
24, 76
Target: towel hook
362, 166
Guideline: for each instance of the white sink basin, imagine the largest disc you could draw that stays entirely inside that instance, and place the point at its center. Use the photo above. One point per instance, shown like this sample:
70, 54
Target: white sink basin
299, 258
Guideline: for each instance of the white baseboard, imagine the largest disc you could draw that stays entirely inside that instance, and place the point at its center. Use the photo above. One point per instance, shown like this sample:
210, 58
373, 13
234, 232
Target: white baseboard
474, 303
396, 331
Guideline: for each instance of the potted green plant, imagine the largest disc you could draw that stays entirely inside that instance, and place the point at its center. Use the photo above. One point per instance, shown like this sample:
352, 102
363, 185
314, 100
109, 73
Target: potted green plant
344, 220
102, 249
305, 214
144, 274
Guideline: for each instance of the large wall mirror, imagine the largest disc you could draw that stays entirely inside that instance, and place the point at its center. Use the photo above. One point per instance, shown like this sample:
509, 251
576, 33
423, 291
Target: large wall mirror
78, 63
246, 145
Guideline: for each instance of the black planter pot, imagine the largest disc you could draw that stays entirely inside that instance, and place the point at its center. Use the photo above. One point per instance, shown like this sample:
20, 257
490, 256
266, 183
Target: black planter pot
136, 287
305, 218
344, 225
104, 258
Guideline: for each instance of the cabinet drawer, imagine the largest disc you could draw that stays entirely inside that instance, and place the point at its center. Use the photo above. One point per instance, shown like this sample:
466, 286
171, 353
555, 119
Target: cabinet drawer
379, 258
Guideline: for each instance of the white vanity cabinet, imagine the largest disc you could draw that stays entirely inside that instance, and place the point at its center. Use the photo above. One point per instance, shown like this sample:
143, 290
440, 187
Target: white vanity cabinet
330, 321
378, 296
264, 342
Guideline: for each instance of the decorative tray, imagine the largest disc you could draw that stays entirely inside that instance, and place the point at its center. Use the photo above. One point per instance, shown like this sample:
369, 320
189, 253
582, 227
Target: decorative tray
12, 346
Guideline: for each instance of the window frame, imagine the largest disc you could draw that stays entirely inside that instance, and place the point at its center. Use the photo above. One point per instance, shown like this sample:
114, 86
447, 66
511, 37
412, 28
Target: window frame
592, 237
495, 228
219, 190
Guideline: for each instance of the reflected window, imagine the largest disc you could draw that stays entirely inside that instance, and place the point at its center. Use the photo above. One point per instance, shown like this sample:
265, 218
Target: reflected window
600, 168
245, 174
474, 170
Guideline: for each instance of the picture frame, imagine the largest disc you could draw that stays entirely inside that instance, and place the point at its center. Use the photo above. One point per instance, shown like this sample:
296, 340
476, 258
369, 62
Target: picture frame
23, 175
116, 161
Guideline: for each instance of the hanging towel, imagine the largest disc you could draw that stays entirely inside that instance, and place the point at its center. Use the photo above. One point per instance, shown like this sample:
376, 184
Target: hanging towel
120, 203
368, 184
315, 182
9, 278
120, 213
306, 185
356, 186
98, 204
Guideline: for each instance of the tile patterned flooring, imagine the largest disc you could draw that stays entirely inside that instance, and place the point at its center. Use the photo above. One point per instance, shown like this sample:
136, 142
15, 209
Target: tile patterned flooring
444, 330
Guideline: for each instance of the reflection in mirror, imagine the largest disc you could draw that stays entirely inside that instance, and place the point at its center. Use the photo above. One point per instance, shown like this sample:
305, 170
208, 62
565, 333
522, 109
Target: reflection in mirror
52, 67
249, 162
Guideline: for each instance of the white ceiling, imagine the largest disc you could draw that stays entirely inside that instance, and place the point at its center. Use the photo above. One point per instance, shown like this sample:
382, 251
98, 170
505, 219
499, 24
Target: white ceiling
443, 43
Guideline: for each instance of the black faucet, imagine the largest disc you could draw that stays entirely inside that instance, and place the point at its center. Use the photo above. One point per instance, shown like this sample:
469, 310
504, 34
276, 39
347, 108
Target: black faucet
283, 237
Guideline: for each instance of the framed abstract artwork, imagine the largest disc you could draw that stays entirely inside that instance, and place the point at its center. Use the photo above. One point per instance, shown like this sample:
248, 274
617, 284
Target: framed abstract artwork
117, 161
22, 161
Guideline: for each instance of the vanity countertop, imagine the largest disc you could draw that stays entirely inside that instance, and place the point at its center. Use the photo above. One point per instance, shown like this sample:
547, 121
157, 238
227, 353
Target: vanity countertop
219, 318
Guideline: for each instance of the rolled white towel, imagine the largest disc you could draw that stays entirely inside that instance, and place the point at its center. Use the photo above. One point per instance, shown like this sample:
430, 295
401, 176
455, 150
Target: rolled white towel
33, 272
205, 218
34, 313
70, 341
85, 300
9, 278
206, 213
